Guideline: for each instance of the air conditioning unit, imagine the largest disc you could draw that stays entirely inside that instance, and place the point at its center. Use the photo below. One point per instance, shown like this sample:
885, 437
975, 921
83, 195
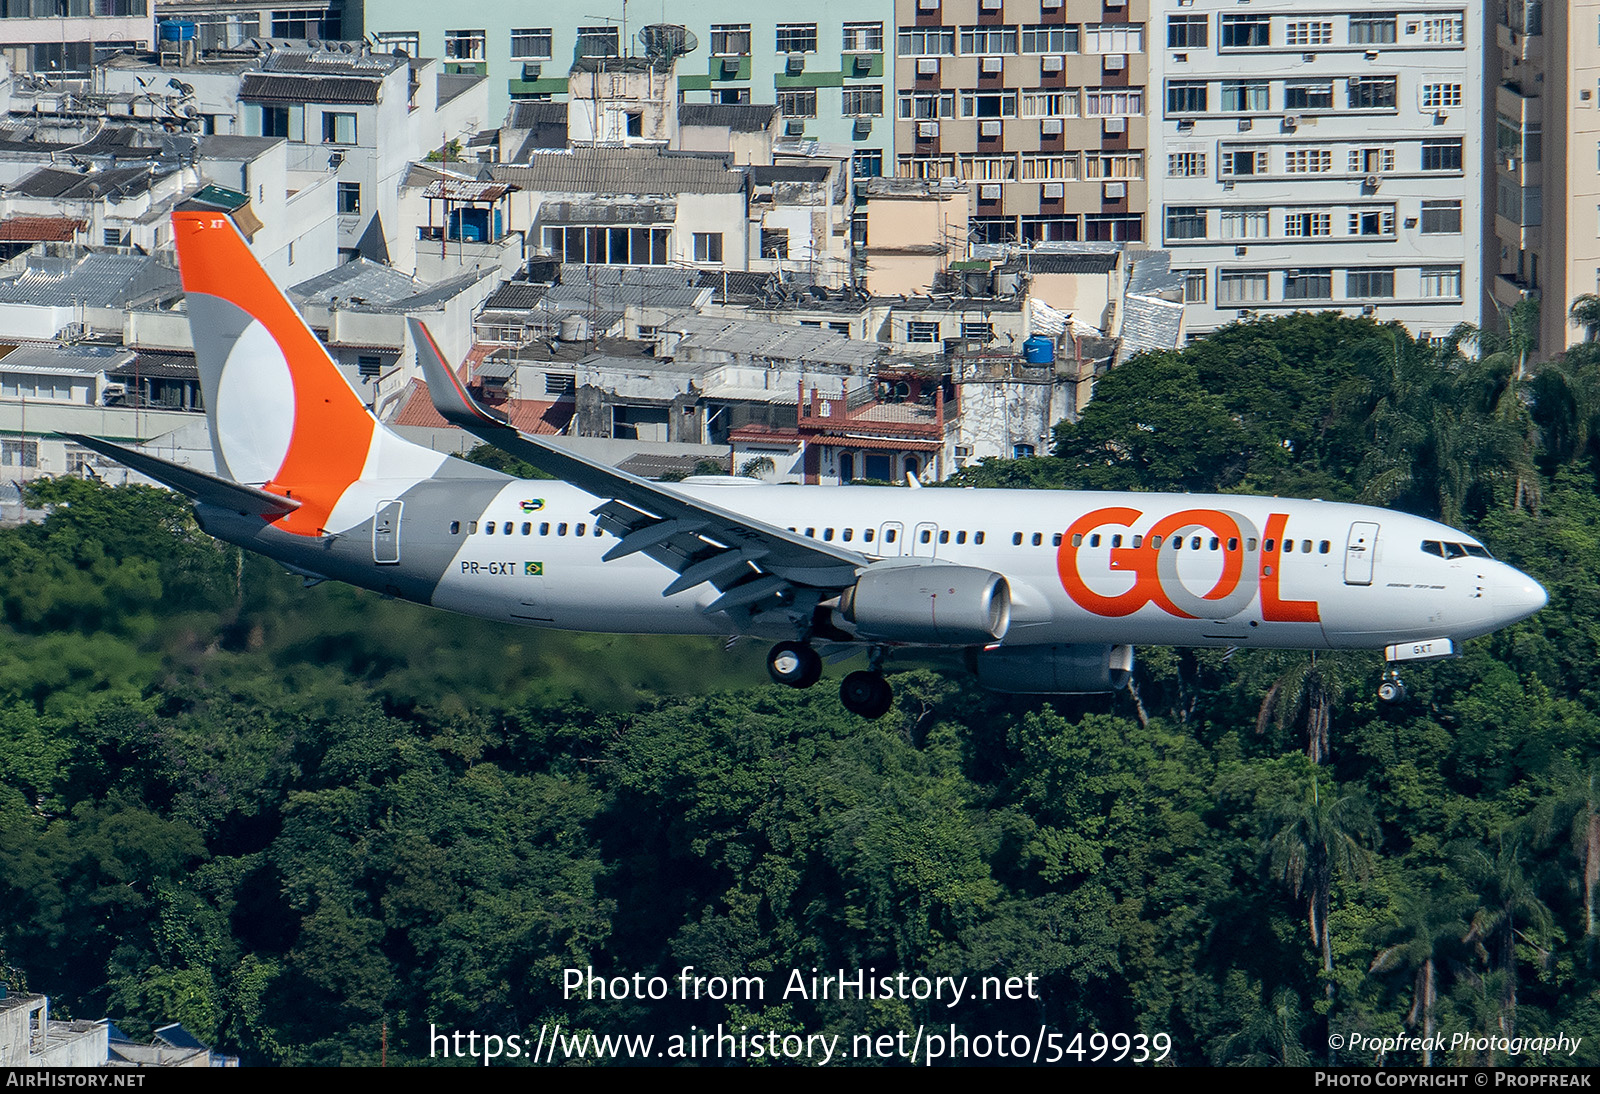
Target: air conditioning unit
862, 63
1371, 182
1245, 125
927, 130
991, 66
795, 127
1240, 252
1185, 124
991, 5
1052, 64
1050, 5
863, 128
1115, 125
927, 5
531, 70
1180, 58
989, 129
1115, 62
1511, 164
1116, 191
795, 63
1369, 309
1291, 273
1054, 191
1116, 3
1291, 121
927, 66
989, 191
1050, 127
730, 67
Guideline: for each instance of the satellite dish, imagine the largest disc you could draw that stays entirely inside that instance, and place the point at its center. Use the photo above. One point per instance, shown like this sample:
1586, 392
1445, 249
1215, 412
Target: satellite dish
666, 41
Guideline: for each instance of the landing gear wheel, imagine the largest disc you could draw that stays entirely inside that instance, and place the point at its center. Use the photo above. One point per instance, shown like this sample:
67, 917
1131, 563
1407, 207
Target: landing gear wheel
794, 664
1392, 690
867, 694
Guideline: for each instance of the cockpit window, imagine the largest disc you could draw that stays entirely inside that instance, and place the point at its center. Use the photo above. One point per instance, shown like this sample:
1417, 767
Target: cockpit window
1433, 547
1454, 550
1476, 551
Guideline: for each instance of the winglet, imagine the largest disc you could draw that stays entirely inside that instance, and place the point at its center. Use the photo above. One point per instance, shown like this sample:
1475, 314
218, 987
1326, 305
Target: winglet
450, 396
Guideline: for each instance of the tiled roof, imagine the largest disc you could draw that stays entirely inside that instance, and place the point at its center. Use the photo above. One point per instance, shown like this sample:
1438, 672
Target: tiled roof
261, 87
527, 415
739, 117
40, 229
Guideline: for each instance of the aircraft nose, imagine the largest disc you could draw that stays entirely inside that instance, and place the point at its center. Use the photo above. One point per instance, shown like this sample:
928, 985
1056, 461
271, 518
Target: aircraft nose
1517, 596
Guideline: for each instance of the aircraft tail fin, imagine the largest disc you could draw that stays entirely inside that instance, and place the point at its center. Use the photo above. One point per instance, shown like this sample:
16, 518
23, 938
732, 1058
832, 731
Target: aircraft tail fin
282, 417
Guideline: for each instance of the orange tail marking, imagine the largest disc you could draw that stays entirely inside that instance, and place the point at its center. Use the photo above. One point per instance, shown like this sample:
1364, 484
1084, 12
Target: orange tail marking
332, 429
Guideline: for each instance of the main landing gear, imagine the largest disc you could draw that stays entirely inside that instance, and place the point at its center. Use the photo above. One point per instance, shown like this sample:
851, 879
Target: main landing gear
797, 665
1391, 689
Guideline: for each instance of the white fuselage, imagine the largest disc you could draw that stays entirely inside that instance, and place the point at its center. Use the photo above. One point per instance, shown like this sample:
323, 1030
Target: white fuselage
1082, 567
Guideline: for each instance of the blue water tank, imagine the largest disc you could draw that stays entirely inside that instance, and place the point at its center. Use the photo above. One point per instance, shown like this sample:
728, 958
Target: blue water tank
177, 30
1039, 350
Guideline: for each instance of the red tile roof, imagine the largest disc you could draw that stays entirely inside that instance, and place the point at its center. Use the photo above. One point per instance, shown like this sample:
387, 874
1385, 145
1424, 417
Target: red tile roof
24, 229
528, 415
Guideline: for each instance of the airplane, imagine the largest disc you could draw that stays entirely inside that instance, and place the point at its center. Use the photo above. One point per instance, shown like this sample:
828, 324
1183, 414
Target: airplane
1042, 592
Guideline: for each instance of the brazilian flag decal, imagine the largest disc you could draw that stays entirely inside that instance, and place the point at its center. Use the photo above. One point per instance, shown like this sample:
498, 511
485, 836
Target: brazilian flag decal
533, 569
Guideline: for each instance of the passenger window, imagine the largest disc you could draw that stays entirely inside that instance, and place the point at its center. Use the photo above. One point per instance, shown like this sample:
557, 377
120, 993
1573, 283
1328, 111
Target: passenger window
1233, 544
544, 528
867, 535
848, 533
1077, 539
580, 529
1305, 546
977, 537
1324, 547
1155, 543
961, 537
1250, 543
1016, 539
1269, 545
827, 535
1055, 540
472, 528
527, 528
1215, 543
1288, 546
927, 536
561, 529
1116, 540
488, 528
455, 528
507, 528
811, 533
944, 537
1137, 541
888, 537
1194, 544
1177, 543
1094, 540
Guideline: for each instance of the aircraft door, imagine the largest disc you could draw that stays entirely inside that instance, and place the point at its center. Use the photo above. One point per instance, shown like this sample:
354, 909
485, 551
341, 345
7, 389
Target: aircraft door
925, 540
386, 533
1358, 553
891, 539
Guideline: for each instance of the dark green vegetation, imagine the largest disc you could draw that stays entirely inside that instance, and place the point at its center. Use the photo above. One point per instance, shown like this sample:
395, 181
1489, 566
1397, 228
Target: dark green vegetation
284, 817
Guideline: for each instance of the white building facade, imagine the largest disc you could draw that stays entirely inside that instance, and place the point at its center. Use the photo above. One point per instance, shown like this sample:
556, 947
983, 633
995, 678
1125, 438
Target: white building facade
1309, 157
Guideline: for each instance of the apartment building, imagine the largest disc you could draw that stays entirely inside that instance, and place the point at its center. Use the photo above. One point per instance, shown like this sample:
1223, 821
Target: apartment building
62, 39
1543, 212
822, 63
1313, 156
1039, 105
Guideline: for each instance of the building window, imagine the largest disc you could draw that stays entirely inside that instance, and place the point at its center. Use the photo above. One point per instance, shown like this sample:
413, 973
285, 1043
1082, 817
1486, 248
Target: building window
1443, 30
368, 366
408, 42
988, 40
1244, 223
1369, 284
598, 42
730, 39
1186, 165
464, 45
1441, 281
1050, 104
708, 246
1371, 161
1045, 38
1194, 285
1308, 161
1187, 31
609, 246
1372, 30
1245, 96
800, 103
1113, 165
532, 43
863, 38
977, 332
1308, 95
1439, 96
1185, 222
927, 167
988, 104
1312, 32
1373, 92
115, 237
988, 168
797, 38
1441, 218
338, 128
1049, 229
1242, 287
1372, 222
1105, 102
349, 198
921, 105
927, 42
1238, 162
774, 243
1246, 31
1520, 205
991, 229
309, 23
730, 96
1308, 284
280, 121
1302, 225
19, 453
1113, 228
867, 163
922, 331
1047, 167
863, 102
1186, 97
1441, 155
1113, 38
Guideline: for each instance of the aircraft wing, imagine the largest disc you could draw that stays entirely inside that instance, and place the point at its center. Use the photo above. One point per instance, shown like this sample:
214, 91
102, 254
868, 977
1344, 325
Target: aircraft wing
755, 565
198, 485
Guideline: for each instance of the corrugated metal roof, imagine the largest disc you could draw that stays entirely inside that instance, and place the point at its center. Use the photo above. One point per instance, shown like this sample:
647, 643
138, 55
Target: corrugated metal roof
93, 279
1152, 273
771, 341
1149, 323
327, 62
608, 212
531, 115
516, 295
373, 286
53, 182
262, 87
462, 190
739, 117
1091, 263
621, 171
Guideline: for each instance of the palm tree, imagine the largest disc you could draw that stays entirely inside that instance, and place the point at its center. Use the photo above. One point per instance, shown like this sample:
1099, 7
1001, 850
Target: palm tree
1576, 808
1308, 688
1269, 1035
1507, 898
1315, 841
1429, 919
1585, 313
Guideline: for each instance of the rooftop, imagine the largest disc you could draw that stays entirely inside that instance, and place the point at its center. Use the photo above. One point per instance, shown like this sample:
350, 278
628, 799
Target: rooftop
63, 276
347, 90
739, 117
770, 341
371, 286
40, 229
1086, 263
77, 185
621, 171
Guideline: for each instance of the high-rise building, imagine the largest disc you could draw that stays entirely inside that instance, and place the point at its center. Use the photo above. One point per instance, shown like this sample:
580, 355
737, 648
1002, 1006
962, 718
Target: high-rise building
1313, 156
1543, 210
1040, 105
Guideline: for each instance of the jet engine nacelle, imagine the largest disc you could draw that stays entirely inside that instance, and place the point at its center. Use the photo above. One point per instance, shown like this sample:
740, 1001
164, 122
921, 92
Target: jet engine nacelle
950, 605
1055, 670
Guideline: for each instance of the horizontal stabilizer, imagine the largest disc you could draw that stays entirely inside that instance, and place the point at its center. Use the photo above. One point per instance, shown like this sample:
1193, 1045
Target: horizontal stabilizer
199, 485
